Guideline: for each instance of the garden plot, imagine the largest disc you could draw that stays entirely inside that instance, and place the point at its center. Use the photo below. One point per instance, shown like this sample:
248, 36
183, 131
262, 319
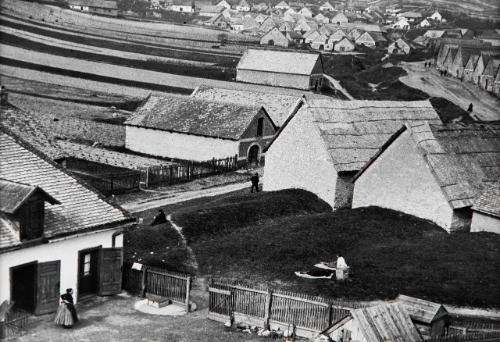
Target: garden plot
56, 109
131, 75
184, 51
64, 93
49, 41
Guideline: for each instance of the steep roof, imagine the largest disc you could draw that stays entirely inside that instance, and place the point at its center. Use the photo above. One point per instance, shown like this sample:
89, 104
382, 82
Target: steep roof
30, 129
194, 116
492, 67
81, 208
489, 200
279, 61
279, 107
386, 322
353, 131
422, 310
465, 160
14, 194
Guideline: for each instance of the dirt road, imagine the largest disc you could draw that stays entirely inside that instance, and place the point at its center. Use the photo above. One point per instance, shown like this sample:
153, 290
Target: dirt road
486, 106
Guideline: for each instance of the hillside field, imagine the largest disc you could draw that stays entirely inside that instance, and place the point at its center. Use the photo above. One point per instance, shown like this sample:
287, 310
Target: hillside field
389, 252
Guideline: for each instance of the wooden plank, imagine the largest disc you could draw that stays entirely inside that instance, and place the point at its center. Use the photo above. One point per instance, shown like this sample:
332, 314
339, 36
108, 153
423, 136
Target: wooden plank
300, 299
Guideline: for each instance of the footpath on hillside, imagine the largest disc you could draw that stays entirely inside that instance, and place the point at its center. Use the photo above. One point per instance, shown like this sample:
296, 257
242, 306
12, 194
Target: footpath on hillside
486, 106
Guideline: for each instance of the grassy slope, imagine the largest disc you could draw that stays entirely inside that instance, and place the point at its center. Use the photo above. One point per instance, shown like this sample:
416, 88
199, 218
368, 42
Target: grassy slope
226, 215
389, 252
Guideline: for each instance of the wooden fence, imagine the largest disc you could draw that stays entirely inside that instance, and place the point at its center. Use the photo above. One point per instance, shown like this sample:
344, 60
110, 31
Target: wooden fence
13, 325
112, 184
155, 281
274, 308
492, 336
186, 171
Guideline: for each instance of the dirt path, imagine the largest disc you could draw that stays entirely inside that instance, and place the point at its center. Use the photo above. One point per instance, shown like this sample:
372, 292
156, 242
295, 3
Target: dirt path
336, 85
138, 206
486, 106
192, 257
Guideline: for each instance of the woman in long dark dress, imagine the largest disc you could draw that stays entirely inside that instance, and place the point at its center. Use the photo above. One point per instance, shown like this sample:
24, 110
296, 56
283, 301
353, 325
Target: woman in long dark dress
66, 314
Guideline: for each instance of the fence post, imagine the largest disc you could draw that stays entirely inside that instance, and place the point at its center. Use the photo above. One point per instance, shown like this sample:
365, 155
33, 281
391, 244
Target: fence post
147, 178
267, 309
143, 281
330, 315
188, 289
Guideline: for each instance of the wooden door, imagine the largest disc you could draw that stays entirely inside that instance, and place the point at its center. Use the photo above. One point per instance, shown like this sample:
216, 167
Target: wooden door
110, 271
48, 283
87, 271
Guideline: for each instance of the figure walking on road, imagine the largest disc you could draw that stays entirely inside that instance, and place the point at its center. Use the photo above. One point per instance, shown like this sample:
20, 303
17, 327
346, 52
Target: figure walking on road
255, 182
160, 218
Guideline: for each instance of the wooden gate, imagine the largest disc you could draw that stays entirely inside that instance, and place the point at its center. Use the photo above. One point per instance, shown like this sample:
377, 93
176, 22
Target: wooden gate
48, 283
110, 271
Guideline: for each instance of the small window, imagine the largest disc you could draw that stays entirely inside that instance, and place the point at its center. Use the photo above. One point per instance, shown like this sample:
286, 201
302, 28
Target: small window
260, 127
86, 265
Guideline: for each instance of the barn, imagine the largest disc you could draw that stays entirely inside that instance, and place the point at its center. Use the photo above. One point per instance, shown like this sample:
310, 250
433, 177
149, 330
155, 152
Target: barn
429, 318
322, 146
281, 69
486, 211
279, 107
379, 323
106, 7
188, 128
55, 232
432, 171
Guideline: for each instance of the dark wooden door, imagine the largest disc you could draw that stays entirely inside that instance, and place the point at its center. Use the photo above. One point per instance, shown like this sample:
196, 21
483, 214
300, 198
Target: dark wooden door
48, 283
87, 272
110, 271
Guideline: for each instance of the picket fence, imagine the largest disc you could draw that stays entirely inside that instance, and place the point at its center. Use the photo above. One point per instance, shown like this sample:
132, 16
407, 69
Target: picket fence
158, 282
184, 171
268, 308
492, 336
14, 325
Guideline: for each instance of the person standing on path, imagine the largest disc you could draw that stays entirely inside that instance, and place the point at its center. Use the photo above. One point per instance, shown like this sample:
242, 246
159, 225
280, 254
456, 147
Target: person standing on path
160, 218
66, 313
255, 182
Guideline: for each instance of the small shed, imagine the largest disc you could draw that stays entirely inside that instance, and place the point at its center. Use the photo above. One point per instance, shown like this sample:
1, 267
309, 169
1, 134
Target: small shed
281, 68
429, 317
380, 323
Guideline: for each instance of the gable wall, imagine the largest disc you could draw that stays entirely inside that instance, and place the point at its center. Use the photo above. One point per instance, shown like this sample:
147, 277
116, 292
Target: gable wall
400, 179
65, 250
298, 159
485, 223
178, 145
250, 137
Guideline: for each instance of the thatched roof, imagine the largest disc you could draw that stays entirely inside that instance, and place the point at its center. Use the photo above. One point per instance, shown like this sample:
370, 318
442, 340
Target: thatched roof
465, 160
353, 131
279, 107
489, 201
195, 116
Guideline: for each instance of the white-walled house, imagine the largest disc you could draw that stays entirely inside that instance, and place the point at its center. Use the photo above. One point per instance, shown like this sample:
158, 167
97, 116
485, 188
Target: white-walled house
344, 45
486, 211
55, 232
326, 7
436, 16
399, 47
275, 37
224, 3
281, 69
194, 129
322, 146
432, 171
185, 6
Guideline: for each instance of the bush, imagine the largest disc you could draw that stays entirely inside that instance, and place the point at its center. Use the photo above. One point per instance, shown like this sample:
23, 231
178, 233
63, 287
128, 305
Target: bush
240, 211
159, 246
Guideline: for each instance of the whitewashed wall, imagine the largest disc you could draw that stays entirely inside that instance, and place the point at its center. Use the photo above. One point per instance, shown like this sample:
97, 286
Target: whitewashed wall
64, 250
274, 79
485, 223
298, 159
179, 146
400, 179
